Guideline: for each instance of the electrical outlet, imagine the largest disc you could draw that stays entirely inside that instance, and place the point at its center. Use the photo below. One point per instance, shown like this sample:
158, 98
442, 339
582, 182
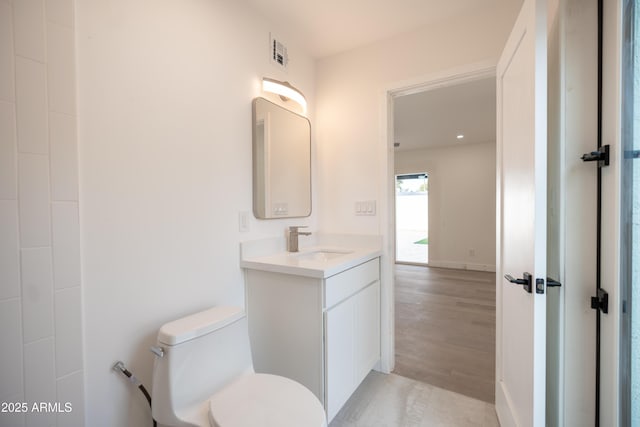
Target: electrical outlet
472, 252
280, 209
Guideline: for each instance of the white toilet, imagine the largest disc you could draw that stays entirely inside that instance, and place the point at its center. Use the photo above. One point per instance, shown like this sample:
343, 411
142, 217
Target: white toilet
203, 376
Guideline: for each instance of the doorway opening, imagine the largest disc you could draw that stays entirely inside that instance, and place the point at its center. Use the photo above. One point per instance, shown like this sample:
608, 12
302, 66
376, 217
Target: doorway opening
444, 186
412, 218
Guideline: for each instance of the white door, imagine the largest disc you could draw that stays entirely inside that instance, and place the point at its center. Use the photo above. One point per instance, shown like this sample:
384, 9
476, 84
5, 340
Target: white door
521, 219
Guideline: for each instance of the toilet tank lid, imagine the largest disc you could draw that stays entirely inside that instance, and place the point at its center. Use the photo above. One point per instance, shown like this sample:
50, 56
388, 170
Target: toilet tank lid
198, 324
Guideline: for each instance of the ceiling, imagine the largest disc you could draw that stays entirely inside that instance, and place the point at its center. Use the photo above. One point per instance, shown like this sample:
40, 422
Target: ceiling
328, 27
436, 117
427, 119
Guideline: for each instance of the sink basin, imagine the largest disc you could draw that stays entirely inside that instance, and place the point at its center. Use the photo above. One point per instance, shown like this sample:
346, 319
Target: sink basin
321, 255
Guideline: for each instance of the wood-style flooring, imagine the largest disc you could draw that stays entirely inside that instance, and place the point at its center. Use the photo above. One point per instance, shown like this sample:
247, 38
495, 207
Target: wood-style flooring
445, 328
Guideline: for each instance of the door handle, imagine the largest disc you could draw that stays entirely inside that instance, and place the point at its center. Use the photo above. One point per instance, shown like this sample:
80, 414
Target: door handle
526, 281
553, 283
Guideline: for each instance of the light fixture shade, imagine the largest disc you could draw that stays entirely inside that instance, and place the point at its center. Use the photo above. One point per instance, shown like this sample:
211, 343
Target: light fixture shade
285, 90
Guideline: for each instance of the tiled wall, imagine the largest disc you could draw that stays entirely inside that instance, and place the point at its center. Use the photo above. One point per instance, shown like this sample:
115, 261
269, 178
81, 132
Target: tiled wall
40, 292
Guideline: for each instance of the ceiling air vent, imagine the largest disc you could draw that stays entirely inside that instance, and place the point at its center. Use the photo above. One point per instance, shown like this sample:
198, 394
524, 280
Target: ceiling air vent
278, 52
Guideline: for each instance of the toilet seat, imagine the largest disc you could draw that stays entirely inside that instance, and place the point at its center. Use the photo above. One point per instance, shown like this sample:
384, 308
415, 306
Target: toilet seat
265, 400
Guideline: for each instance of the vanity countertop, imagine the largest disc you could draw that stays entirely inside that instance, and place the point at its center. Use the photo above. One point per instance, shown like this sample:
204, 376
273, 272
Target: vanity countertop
315, 261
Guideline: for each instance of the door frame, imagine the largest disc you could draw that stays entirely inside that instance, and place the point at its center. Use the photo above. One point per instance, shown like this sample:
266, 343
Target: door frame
610, 414
611, 201
450, 77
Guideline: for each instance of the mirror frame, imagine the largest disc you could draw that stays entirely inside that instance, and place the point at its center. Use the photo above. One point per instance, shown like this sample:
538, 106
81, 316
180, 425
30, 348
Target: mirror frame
257, 178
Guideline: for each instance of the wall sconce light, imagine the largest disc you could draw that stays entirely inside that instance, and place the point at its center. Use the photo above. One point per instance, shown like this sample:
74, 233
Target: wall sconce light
285, 90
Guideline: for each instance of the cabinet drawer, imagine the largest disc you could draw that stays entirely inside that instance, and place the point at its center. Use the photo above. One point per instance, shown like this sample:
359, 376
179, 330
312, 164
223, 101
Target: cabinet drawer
347, 283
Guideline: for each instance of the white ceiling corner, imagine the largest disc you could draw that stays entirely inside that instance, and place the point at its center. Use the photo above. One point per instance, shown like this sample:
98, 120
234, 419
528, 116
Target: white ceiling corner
329, 27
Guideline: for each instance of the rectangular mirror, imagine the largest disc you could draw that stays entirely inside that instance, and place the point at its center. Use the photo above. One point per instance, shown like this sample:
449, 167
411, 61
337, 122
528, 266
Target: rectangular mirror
281, 162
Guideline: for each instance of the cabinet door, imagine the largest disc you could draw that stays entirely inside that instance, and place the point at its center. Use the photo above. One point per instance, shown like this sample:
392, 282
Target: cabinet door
339, 350
352, 331
367, 334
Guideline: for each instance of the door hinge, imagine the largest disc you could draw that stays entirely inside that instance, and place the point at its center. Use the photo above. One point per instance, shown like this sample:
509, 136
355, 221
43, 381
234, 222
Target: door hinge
601, 156
601, 301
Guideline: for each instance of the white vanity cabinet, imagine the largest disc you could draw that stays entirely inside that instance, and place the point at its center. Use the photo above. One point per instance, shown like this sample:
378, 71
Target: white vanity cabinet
321, 332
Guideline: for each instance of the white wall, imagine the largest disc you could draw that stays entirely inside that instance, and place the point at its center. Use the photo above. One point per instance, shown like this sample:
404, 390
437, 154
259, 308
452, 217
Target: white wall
355, 158
462, 202
40, 292
165, 91
350, 88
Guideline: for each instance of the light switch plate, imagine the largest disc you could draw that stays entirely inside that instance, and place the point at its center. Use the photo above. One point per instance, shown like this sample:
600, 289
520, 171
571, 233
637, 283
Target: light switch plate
243, 221
365, 208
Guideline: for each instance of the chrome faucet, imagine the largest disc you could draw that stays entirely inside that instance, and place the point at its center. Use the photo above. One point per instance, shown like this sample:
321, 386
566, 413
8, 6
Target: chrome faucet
292, 237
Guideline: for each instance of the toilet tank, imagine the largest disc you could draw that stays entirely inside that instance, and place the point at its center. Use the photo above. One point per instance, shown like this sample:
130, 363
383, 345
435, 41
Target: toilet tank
202, 353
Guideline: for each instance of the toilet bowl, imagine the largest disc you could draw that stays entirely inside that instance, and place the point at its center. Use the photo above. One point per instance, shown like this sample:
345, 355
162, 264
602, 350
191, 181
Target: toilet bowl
203, 376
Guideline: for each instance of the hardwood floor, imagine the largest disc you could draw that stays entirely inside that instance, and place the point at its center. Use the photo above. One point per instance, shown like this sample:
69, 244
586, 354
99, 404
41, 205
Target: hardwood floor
445, 328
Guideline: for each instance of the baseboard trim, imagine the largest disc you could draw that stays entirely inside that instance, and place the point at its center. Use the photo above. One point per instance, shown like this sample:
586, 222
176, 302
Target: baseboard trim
503, 407
462, 266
